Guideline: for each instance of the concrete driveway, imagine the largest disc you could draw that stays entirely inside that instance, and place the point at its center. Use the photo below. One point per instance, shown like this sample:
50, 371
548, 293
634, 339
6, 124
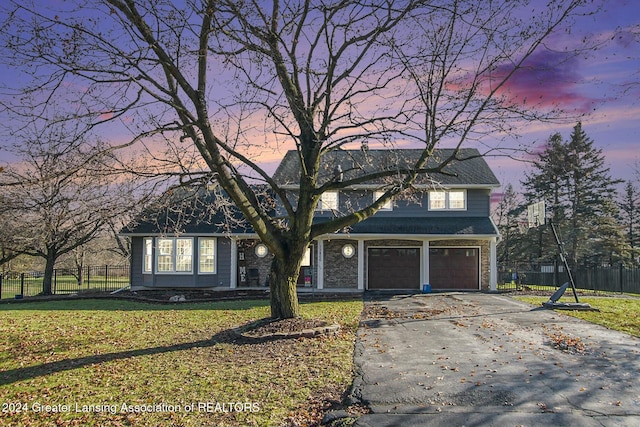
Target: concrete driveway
487, 360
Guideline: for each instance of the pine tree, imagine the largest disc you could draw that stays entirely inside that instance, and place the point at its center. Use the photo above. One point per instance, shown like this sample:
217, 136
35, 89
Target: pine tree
630, 220
573, 180
507, 215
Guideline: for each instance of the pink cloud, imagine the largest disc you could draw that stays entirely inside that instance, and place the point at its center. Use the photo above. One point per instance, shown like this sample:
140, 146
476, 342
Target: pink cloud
546, 79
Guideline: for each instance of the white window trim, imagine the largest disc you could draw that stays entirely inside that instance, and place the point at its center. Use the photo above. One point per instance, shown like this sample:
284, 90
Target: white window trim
321, 203
215, 255
447, 205
147, 255
174, 256
387, 206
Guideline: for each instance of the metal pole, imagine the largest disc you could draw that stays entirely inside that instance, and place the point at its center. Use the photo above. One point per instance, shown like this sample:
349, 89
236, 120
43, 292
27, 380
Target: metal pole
563, 257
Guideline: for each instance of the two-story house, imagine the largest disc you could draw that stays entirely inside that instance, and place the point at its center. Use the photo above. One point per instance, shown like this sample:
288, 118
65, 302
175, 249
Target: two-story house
442, 234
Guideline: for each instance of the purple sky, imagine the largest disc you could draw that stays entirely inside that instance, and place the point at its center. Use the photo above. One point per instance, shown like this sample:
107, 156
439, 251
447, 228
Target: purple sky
600, 87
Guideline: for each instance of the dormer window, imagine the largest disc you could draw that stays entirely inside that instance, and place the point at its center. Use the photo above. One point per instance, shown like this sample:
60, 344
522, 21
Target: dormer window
447, 200
328, 201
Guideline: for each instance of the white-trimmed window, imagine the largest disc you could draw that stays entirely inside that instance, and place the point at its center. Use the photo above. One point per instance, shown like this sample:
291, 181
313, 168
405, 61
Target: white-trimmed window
174, 255
448, 200
388, 205
147, 255
207, 255
328, 201
306, 259
457, 199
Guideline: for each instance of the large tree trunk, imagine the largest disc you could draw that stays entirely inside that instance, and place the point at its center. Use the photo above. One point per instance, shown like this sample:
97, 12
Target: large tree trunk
282, 283
47, 280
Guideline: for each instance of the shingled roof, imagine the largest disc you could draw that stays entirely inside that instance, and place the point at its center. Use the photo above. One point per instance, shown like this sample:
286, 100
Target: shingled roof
460, 226
470, 170
190, 211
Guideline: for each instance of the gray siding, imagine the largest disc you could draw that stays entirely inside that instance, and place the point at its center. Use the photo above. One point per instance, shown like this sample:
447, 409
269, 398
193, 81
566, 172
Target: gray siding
222, 277
136, 261
478, 205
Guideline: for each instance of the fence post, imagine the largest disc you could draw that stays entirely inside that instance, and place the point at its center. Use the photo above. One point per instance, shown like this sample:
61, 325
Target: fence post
22, 284
106, 277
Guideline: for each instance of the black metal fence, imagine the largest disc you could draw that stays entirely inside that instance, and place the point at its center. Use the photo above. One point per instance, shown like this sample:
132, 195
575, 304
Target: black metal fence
611, 279
103, 278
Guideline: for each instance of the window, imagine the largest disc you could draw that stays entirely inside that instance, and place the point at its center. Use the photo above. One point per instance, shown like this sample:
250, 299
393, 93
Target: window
328, 201
184, 255
448, 200
147, 256
175, 255
456, 200
388, 205
437, 200
207, 255
306, 260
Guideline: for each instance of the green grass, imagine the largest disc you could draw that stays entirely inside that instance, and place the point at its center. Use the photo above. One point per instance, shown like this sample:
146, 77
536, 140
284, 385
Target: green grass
64, 285
619, 313
112, 352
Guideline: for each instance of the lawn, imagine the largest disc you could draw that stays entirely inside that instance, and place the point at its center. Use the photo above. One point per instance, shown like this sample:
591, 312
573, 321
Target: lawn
114, 362
619, 313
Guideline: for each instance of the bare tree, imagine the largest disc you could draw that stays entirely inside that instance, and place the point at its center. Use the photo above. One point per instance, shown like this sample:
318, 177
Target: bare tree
231, 80
58, 196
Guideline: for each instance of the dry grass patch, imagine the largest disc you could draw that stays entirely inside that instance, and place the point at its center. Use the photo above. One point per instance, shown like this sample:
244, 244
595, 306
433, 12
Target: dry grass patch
123, 363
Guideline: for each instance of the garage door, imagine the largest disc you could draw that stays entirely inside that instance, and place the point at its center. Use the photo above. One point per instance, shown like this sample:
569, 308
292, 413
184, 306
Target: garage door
393, 268
454, 268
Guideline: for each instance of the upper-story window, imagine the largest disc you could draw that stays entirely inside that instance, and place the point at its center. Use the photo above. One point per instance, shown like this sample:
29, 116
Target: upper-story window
389, 203
447, 200
328, 201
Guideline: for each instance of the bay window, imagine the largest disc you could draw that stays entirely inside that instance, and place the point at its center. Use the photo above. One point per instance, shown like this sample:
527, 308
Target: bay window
207, 255
174, 255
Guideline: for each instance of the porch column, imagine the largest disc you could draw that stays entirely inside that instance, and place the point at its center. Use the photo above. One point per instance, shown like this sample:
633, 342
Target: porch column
234, 264
320, 264
493, 265
360, 265
425, 263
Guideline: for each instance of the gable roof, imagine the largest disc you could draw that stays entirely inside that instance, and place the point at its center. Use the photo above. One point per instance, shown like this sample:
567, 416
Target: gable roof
470, 170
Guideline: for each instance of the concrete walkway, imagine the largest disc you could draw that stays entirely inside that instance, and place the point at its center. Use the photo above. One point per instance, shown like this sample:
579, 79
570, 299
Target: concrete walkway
487, 360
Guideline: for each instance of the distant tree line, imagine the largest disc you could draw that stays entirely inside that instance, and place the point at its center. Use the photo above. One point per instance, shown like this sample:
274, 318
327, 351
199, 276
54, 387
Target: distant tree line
598, 225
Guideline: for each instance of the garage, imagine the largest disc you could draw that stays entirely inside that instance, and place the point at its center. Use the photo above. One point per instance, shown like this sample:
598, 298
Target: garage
454, 268
393, 268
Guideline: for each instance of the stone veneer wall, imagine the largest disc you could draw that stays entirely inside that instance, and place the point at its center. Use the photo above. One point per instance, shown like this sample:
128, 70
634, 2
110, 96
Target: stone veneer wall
264, 264
340, 272
485, 259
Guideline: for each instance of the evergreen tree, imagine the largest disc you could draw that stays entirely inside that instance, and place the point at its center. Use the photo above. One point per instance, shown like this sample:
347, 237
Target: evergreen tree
573, 180
508, 215
630, 220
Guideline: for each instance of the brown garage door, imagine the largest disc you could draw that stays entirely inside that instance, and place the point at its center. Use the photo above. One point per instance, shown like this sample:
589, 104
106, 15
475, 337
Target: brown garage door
393, 268
453, 268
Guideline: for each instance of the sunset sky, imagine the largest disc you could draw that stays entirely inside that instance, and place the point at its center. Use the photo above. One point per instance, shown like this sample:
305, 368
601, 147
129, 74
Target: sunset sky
601, 87
604, 85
